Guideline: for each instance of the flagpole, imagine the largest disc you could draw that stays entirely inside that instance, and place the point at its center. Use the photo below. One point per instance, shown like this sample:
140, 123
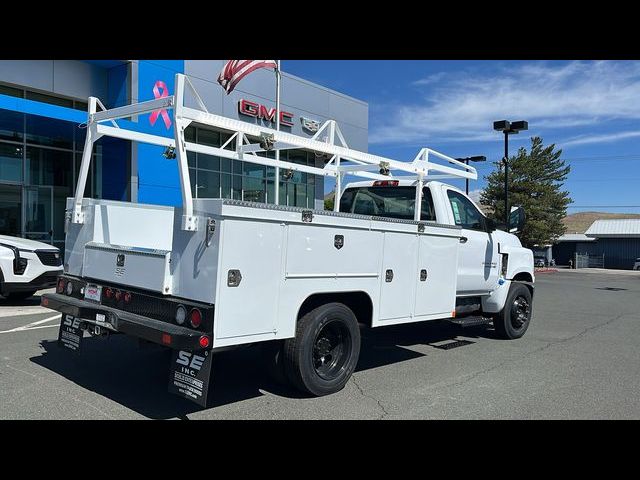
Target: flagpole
277, 179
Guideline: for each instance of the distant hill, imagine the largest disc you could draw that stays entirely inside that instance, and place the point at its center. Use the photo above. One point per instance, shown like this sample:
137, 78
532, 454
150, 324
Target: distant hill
581, 221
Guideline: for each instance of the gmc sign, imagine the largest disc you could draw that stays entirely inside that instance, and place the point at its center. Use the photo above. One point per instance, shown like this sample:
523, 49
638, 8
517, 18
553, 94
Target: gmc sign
253, 109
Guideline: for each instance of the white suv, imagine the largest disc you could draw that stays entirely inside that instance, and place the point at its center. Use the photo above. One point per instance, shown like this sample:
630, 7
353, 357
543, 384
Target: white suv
27, 266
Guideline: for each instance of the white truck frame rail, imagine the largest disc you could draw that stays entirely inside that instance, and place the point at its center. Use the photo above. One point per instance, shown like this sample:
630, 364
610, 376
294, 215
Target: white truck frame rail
342, 159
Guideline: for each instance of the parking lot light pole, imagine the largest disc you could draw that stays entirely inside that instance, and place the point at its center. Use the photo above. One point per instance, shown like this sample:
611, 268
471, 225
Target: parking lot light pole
508, 128
477, 158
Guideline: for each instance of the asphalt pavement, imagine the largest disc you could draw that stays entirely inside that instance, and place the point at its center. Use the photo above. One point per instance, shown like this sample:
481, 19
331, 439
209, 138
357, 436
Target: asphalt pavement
579, 360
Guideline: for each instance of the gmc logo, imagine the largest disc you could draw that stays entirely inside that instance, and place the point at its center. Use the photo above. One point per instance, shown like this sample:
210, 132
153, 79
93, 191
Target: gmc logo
253, 109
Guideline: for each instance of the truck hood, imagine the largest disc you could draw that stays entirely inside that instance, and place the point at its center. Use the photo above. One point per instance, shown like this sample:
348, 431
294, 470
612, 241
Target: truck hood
25, 243
520, 258
507, 238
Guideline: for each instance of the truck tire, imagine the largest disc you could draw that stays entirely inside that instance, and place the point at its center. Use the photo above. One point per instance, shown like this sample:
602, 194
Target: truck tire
514, 319
320, 359
20, 295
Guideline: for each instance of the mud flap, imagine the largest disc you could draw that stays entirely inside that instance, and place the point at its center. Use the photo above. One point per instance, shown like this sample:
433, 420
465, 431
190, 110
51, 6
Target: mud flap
71, 333
189, 375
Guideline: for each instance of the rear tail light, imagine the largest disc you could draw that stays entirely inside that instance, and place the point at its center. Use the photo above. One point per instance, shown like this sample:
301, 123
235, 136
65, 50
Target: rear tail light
127, 297
118, 295
109, 293
181, 314
69, 288
204, 341
166, 339
60, 288
195, 317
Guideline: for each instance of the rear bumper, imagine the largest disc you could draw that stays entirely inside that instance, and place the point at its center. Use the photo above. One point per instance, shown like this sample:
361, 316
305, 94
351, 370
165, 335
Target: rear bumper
46, 280
156, 331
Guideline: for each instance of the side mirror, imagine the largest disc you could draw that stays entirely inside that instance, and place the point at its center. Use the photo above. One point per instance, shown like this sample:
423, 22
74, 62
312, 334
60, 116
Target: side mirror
491, 225
516, 219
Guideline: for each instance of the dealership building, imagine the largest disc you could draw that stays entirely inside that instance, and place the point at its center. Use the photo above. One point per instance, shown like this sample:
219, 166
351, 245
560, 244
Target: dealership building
43, 105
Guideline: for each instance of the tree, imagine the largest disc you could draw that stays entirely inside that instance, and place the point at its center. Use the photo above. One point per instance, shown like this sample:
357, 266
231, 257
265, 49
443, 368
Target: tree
328, 203
535, 183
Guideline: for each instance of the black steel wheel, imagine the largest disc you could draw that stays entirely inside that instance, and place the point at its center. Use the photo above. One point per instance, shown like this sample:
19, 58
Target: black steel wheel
331, 349
520, 312
514, 319
320, 359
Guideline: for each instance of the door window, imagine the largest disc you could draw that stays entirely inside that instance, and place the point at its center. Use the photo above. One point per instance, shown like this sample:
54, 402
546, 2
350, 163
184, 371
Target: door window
465, 212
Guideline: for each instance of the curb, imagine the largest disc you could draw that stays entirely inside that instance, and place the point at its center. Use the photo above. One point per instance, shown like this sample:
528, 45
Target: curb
545, 270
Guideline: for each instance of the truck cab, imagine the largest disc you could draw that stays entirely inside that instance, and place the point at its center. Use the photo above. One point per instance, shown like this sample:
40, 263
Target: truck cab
482, 260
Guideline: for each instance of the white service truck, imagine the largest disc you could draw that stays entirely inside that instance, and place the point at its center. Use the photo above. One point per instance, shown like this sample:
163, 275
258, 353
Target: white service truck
400, 247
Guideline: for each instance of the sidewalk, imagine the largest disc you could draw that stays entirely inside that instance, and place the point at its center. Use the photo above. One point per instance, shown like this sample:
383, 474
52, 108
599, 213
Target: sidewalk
602, 270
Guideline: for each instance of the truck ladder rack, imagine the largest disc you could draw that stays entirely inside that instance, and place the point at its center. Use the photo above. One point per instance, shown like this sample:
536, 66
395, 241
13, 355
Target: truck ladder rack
249, 140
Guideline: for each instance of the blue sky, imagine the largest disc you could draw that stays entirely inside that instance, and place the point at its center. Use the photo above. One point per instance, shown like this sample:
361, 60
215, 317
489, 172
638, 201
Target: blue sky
589, 109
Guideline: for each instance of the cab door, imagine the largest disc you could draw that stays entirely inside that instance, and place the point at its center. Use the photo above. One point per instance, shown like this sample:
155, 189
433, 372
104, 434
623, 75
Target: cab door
478, 255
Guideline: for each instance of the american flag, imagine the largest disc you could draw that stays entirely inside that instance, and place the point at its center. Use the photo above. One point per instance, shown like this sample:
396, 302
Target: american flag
235, 70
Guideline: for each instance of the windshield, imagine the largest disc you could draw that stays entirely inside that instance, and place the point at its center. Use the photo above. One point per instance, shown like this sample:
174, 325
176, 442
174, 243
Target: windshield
385, 201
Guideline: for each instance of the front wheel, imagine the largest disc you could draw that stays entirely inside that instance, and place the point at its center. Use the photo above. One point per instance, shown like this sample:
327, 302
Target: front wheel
513, 321
322, 356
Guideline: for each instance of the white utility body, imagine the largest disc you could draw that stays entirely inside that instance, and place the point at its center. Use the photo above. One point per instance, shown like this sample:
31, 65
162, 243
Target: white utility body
216, 273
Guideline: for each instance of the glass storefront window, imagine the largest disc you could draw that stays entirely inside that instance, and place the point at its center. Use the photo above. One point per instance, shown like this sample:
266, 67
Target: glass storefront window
208, 184
301, 195
49, 167
253, 189
271, 191
237, 187
38, 154
225, 181
10, 214
11, 125
11, 162
209, 137
60, 195
191, 159
49, 131
193, 179
222, 177
253, 170
38, 220
208, 162
50, 99
236, 166
93, 187
190, 134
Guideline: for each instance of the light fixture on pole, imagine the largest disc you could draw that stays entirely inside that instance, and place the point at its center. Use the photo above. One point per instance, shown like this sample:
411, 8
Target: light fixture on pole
508, 128
477, 158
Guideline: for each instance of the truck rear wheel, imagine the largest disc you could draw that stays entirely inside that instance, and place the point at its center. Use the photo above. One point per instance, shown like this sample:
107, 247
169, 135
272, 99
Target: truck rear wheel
322, 356
513, 321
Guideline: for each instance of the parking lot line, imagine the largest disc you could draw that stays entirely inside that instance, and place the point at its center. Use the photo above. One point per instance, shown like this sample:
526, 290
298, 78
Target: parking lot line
34, 325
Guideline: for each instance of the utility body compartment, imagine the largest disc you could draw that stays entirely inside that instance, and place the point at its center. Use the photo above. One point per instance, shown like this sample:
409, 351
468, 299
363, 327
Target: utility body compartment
258, 263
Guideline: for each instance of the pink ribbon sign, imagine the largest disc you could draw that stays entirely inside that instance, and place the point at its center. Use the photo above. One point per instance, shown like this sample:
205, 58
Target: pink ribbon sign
160, 90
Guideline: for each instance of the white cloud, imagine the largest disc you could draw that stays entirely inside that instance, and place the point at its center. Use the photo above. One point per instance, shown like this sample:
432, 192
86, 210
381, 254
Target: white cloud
431, 79
548, 95
475, 195
612, 137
